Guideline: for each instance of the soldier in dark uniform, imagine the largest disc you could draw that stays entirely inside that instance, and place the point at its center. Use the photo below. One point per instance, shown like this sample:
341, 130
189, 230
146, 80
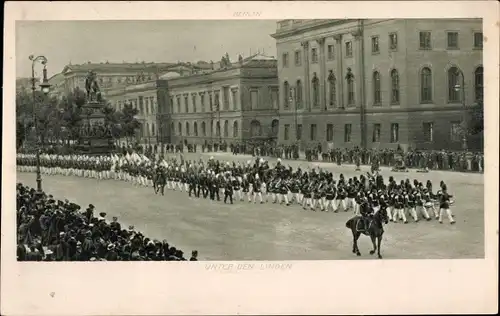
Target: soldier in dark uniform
306, 192
330, 192
444, 206
228, 190
366, 212
191, 180
399, 202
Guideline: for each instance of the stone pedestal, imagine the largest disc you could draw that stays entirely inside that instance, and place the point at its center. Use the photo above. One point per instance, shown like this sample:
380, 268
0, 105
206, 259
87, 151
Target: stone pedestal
95, 139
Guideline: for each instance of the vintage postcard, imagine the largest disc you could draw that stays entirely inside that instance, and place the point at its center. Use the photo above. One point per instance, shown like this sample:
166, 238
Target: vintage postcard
250, 158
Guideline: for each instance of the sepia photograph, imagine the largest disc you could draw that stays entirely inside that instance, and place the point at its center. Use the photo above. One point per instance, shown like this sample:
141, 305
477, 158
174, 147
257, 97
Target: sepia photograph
248, 143
303, 140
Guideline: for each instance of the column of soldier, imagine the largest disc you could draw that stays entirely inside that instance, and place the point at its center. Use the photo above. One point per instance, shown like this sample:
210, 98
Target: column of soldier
256, 181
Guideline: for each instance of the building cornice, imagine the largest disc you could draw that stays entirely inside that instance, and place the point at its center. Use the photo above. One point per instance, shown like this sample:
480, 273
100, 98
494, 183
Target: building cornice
308, 26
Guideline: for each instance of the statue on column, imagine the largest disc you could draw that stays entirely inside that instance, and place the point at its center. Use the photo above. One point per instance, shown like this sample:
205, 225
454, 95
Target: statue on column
92, 88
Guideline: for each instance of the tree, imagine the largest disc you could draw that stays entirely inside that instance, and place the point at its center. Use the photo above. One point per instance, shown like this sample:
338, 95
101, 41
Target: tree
45, 111
20, 134
129, 124
113, 120
476, 119
71, 106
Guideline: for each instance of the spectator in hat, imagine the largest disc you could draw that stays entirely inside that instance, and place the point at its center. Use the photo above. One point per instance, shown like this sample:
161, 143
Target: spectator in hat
194, 256
49, 255
111, 253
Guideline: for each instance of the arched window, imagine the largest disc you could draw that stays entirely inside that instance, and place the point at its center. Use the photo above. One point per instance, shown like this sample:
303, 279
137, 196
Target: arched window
217, 129
203, 128
286, 94
147, 130
478, 84
235, 129
377, 95
172, 130
315, 90
153, 129
426, 85
394, 87
275, 125
187, 129
226, 128
179, 128
255, 128
332, 90
454, 85
298, 94
195, 129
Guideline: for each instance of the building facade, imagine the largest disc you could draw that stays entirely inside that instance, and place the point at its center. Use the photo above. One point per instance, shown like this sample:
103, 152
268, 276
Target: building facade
378, 83
236, 102
143, 97
57, 86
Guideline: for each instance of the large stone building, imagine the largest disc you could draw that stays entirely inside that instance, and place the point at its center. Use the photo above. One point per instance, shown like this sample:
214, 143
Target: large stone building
238, 101
57, 86
378, 83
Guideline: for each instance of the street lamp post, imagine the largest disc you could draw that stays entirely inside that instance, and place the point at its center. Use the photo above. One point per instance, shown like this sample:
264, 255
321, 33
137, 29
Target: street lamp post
464, 110
44, 86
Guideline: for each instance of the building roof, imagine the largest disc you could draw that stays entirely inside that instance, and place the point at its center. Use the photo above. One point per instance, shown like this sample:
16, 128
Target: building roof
117, 67
56, 79
258, 57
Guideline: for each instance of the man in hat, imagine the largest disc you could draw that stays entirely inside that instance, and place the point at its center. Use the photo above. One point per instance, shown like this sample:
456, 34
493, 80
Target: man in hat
111, 254
49, 255
90, 212
115, 226
194, 255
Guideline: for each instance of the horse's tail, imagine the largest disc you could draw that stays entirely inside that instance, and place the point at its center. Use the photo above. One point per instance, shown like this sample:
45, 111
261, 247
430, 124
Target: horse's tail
349, 223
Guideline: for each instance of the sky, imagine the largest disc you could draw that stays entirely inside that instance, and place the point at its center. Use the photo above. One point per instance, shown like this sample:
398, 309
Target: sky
78, 42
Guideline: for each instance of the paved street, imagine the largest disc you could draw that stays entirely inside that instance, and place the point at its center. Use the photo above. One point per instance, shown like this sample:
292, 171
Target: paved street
268, 232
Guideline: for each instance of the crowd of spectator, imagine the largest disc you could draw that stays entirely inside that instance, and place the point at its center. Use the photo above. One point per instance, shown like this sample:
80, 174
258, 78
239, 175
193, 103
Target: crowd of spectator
56, 230
419, 159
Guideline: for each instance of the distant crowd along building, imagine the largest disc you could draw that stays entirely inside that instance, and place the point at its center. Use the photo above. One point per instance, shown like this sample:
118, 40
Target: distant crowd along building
378, 83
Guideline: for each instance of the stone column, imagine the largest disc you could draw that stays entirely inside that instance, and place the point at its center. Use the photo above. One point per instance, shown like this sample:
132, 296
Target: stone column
358, 67
322, 73
340, 70
307, 81
360, 84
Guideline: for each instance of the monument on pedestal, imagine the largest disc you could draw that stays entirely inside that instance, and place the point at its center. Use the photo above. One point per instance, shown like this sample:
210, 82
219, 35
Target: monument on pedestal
95, 136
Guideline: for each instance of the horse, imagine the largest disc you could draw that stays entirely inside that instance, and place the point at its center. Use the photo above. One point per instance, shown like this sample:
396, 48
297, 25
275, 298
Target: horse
159, 181
374, 229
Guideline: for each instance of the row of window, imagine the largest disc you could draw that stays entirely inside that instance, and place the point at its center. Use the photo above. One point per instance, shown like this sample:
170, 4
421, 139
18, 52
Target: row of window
425, 43
313, 132
203, 130
177, 102
455, 89
145, 105
427, 132
148, 130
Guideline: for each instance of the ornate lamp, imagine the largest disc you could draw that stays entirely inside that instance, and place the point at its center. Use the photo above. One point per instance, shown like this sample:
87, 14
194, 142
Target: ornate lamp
45, 85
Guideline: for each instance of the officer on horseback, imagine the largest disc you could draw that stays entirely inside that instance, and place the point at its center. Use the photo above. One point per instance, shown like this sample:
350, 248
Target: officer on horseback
366, 212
